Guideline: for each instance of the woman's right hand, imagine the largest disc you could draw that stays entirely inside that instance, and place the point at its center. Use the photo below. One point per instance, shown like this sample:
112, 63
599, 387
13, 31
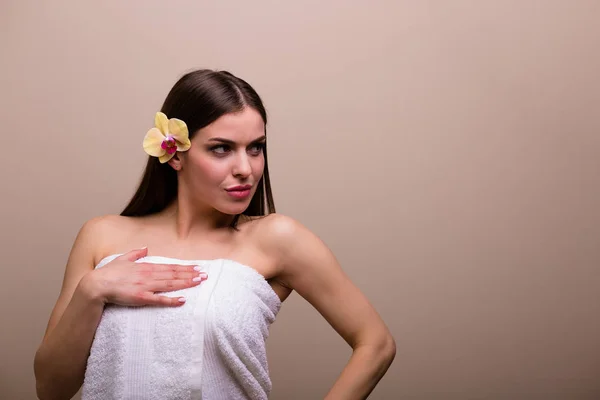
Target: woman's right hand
125, 282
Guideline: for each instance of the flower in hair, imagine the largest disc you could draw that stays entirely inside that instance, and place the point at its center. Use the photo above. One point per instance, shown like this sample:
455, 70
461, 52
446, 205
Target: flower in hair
168, 137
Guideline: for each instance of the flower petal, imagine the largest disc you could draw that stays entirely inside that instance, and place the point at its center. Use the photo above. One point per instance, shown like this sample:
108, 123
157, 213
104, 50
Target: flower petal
152, 143
162, 123
166, 157
178, 129
184, 147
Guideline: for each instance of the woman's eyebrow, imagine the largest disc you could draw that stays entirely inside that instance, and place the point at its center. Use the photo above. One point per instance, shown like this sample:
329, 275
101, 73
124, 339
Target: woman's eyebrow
228, 141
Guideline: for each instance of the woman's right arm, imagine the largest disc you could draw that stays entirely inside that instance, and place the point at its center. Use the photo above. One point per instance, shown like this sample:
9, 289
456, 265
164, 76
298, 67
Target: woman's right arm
60, 361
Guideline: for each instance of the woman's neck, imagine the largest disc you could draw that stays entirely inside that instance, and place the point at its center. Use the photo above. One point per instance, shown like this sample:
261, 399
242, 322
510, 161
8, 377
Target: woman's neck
186, 222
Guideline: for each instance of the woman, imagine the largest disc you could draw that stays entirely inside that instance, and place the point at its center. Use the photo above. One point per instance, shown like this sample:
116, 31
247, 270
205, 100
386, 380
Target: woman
185, 314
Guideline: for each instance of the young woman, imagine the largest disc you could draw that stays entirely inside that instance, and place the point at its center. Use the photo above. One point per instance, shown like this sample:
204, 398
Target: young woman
173, 298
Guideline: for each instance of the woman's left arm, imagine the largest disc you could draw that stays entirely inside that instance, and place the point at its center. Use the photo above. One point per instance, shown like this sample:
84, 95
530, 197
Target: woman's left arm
310, 268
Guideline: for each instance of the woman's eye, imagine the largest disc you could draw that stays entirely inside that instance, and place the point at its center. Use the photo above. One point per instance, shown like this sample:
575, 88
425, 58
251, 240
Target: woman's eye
221, 149
257, 148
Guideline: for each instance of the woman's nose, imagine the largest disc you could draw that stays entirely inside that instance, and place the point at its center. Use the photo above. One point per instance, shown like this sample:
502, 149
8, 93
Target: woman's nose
242, 166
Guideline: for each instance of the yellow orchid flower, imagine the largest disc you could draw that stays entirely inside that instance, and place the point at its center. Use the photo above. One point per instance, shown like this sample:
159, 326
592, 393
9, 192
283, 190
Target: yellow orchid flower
168, 137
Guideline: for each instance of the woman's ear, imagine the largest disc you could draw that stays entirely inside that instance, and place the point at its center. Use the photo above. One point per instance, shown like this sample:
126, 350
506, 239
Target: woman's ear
175, 162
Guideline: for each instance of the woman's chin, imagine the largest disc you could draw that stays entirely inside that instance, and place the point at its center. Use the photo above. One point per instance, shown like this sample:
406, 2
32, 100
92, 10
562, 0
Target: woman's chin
233, 209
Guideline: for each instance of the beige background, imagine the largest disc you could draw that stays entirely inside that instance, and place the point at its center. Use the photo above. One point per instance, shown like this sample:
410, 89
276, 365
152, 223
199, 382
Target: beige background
447, 151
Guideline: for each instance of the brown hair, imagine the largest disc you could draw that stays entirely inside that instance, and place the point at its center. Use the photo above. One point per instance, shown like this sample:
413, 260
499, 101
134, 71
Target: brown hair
199, 98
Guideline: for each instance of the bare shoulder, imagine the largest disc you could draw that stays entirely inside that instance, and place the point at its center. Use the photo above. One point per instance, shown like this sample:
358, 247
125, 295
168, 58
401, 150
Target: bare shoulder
101, 232
279, 224
105, 222
290, 243
280, 231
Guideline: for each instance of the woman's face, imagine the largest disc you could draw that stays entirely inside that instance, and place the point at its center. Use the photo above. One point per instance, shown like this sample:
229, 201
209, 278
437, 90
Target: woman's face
225, 162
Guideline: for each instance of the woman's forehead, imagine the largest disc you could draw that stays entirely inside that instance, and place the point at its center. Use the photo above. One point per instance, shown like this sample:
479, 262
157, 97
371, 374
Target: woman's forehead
243, 126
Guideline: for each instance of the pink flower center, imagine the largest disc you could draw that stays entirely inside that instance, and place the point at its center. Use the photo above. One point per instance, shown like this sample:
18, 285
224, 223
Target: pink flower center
169, 145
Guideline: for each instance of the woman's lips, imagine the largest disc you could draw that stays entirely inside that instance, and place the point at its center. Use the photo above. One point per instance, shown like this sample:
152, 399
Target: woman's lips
239, 192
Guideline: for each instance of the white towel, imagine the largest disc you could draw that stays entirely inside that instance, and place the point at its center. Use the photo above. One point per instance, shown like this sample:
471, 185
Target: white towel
212, 347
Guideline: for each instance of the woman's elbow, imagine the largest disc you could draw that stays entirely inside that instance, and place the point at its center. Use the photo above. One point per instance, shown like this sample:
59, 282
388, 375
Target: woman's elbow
382, 347
386, 348
391, 348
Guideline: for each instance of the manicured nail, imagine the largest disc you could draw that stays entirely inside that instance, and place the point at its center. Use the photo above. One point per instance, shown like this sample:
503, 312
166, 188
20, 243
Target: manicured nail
181, 299
198, 279
197, 268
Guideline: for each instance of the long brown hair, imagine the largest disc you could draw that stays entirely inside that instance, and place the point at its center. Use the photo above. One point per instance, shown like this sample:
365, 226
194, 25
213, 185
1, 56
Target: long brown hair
199, 98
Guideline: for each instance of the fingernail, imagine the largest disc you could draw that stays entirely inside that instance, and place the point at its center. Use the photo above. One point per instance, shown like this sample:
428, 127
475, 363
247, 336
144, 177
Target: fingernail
197, 268
144, 248
198, 279
181, 299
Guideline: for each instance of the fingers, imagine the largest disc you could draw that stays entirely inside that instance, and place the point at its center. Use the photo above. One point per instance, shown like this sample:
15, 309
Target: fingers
152, 267
170, 275
134, 255
169, 301
150, 294
169, 271
149, 271
175, 284
148, 298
